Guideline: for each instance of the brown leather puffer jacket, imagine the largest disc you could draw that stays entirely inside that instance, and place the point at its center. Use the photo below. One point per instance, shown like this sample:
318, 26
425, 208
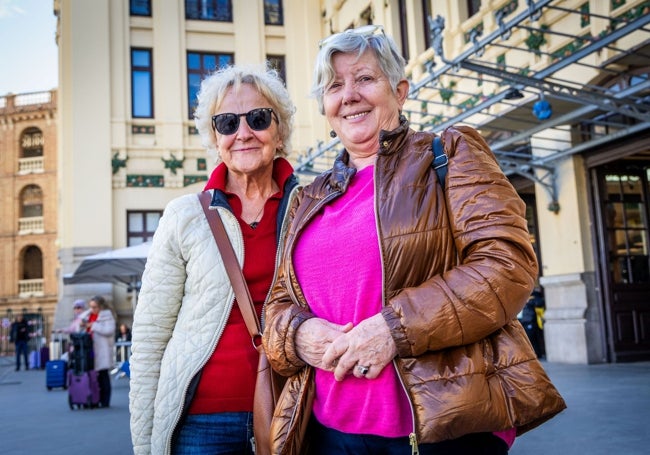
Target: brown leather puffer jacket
458, 267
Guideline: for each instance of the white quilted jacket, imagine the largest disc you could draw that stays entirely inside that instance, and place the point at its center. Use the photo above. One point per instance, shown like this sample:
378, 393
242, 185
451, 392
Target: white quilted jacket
185, 292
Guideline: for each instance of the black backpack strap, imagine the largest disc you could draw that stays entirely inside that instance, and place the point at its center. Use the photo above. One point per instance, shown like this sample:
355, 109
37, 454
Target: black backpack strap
440, 160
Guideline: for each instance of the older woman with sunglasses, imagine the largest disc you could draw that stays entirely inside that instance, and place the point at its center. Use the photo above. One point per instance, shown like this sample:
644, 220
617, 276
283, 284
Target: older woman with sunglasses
397, 293
193, 365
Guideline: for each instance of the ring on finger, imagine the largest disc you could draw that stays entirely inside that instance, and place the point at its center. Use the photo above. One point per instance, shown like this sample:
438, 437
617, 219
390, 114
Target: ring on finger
363, 369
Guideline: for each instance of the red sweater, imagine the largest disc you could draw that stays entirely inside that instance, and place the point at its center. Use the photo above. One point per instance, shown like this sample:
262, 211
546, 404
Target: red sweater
92, 317
228, 379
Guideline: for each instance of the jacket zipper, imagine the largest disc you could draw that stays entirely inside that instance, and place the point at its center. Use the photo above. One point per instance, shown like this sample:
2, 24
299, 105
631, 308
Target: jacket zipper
181, 408
283, 231
413, 440
308, 216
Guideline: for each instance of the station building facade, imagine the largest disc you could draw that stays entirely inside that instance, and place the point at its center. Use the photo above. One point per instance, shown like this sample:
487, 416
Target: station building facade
559, 89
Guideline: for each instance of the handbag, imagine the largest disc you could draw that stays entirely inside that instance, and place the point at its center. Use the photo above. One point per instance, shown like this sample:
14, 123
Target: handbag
268, 383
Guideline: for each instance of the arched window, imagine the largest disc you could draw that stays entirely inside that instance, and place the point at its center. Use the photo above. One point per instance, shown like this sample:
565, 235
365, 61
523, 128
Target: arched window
31, 143
31, 201
32, 261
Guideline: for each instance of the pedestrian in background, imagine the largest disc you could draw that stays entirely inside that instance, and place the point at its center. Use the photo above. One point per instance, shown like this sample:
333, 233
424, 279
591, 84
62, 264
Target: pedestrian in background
124, 333
78, 308
99, 322
19, 335
531, 317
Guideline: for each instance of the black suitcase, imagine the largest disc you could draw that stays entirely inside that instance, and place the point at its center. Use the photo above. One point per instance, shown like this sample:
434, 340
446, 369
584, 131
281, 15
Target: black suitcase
82, 353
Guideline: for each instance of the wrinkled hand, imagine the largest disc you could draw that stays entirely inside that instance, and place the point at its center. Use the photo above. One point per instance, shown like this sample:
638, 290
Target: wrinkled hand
314, 336
369, 344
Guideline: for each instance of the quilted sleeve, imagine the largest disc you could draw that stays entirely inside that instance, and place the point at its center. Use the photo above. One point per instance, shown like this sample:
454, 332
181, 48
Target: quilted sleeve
153, 322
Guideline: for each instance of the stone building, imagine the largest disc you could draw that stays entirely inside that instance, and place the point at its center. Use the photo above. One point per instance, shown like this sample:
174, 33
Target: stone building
29, 279
129, 74
559, 89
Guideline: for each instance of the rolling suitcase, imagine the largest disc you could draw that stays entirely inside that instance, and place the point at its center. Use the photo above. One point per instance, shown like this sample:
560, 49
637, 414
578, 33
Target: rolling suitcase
34, 360
38, 358
56, 374
82, 352
57, 346
56, 369
44, 357
83, 389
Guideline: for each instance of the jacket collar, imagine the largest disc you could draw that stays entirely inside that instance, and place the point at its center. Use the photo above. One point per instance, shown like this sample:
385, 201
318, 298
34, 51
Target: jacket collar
389, 142
282, 174
282, 171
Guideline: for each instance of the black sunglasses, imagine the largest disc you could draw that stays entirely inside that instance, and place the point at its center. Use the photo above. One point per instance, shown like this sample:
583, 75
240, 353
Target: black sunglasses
257, 119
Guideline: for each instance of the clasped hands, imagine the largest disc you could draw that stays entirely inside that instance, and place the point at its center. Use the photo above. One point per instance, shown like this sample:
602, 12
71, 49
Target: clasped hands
345, 349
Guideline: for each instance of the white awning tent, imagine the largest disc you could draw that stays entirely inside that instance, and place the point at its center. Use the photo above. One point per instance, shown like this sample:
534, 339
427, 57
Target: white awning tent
123, 265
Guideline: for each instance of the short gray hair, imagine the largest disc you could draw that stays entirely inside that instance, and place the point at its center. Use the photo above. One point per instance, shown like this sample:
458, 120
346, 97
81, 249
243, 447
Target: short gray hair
264, 79
356, 41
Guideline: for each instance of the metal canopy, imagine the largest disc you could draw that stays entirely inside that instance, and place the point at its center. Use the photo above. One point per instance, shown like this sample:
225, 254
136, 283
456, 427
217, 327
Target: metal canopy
515, 86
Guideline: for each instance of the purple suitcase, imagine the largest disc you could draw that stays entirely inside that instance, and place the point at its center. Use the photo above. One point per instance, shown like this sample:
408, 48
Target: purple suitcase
44, 356
83, 389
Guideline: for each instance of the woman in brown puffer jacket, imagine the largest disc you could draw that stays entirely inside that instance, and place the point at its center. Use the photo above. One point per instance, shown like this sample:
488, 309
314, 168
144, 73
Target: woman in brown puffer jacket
394, 306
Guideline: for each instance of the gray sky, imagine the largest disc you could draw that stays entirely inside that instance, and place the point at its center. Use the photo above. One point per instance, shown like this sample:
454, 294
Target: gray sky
28, 53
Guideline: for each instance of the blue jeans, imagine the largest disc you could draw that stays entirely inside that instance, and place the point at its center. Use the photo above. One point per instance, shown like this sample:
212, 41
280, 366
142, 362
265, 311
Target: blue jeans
222, 433
21, 349
326, 441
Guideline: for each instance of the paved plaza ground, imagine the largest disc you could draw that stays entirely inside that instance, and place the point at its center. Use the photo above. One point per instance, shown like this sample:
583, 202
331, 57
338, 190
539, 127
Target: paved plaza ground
608, 413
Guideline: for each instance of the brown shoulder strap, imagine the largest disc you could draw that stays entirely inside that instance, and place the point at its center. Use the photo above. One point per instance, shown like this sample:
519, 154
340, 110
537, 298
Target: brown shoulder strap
233, 269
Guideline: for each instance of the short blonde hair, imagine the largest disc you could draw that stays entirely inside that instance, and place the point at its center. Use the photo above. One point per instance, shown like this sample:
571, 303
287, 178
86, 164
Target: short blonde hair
265, 80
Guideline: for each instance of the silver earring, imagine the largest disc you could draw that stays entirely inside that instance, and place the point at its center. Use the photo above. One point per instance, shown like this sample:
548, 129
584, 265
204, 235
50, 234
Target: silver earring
332, 134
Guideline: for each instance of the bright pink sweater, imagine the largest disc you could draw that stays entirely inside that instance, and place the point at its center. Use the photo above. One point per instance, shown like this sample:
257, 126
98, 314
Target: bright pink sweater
338, 267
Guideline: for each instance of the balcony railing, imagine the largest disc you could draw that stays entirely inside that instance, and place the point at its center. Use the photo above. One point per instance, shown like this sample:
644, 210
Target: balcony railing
30, 288
31, 225
30, 165
27, 99
26, 102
